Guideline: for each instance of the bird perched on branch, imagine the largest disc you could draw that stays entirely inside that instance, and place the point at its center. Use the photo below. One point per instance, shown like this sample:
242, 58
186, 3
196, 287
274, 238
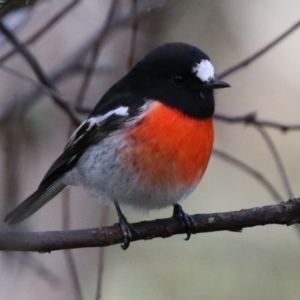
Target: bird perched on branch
147, 142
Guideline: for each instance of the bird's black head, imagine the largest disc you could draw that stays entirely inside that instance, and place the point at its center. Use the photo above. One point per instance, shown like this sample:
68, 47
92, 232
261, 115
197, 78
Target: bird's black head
179, 75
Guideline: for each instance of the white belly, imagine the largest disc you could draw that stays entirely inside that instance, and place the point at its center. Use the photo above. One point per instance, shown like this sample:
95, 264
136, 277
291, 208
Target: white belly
104, 172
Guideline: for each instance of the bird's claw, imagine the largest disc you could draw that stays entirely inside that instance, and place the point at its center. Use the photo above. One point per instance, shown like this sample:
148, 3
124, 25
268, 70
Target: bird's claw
127, 230
186, 219
126, 227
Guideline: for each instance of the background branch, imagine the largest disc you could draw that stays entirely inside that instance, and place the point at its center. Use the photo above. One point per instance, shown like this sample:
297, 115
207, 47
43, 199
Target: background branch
37, 69
250, 118
72, 62
250, 171
278, 161
260, 52
42, 30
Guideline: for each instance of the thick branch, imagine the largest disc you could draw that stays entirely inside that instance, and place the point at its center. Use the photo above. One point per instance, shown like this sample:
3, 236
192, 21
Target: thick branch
286, 213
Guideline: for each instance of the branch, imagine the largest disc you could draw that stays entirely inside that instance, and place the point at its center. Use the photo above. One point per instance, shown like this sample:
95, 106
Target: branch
103, 221
260, 52
251, 171
43, 78
88, 74
278, 161
286, 213
74, 60
53, 21
251, 118
10, 5
133, 38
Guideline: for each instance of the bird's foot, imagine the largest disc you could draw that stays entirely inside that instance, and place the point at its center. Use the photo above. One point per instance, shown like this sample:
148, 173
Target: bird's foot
187, 220
126, 227
127, 230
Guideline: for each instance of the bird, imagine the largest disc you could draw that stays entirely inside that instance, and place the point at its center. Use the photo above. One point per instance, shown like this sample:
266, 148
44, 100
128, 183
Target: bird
147, 142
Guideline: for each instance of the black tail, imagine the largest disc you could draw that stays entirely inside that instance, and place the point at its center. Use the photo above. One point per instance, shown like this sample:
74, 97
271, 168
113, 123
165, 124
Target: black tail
34, 202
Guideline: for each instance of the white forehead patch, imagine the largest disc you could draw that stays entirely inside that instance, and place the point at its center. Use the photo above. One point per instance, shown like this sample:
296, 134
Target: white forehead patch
204, 70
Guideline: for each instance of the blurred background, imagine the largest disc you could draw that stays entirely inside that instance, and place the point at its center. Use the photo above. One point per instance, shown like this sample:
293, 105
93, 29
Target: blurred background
261, 262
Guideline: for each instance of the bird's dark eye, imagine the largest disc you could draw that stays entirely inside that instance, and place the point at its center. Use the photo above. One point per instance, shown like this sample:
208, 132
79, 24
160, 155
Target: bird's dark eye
179, 80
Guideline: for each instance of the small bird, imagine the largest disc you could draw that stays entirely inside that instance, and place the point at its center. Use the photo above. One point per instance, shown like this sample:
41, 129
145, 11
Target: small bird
148, 141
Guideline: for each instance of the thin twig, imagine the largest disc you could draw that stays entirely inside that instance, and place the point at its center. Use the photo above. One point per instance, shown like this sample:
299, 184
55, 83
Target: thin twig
16, 108
278, 161
251, 171
250, 118
285, 213
259, 53
8, 6
42, 30
13, 145
103, 223
70, 260
33, 63
259, 125
280, 166
39, 85
73, 273
95, 53
74, 60
31, 262
134, 30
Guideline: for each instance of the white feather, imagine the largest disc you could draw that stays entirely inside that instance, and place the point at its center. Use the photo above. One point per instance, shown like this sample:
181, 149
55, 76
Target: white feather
204, 70
120, 111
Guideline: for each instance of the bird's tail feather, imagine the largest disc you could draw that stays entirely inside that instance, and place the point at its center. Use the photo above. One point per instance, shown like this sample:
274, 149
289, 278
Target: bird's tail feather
34, 202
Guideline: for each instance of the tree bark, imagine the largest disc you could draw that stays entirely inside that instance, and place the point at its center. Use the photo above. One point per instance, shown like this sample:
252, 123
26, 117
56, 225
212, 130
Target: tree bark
285, 213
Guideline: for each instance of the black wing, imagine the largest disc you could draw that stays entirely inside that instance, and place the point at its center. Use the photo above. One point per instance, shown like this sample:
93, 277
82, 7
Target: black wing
113, 110
89, 133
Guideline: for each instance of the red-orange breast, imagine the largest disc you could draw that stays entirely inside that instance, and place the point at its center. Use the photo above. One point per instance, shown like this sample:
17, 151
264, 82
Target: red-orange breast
171, 148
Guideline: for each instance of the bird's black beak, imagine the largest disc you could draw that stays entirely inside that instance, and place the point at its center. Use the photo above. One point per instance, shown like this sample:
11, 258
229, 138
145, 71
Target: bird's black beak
216, 84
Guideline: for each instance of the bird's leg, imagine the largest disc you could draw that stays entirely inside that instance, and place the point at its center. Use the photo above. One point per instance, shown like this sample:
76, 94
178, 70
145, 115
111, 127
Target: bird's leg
187, 220
125, 226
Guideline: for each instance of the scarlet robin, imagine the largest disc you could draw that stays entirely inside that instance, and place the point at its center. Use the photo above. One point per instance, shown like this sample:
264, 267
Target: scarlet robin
147, 142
